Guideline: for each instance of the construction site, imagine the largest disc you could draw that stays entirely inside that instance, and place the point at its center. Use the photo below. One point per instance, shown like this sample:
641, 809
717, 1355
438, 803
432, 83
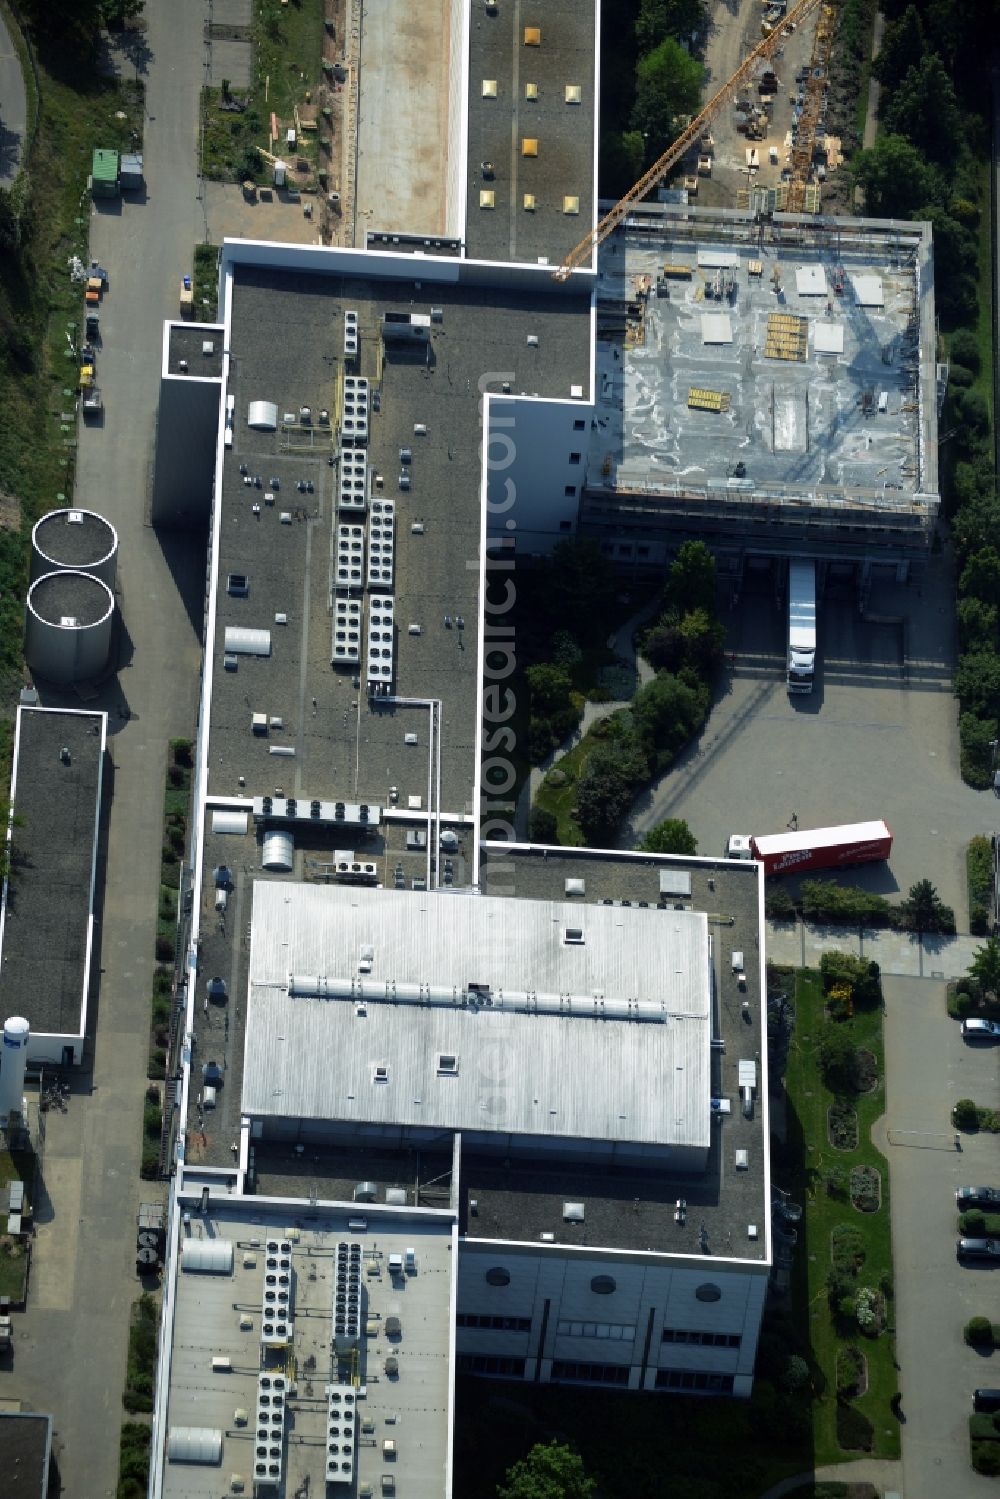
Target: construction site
766, 374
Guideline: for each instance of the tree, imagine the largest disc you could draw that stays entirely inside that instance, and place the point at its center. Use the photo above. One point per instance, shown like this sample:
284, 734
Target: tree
551, 1470
663, 646
903, 46
977, 625
923, 910
964, 347
667, 84
894, 176
838, 1058
658, 19
550, 688
924, 109
543, 826
578, 586
604, 793
977, 736
795, 1376
704, 639
691, 580
980, 577
672, 836
985, 965
666, 712
977, 683
621, 162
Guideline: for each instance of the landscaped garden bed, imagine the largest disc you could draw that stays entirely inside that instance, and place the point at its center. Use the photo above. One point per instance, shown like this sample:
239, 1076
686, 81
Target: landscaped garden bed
842, 1125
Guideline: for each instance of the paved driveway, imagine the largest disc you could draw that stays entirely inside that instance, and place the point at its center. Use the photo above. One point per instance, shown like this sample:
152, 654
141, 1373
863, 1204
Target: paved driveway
13, 108
928, 1068
878, 738
72, 1341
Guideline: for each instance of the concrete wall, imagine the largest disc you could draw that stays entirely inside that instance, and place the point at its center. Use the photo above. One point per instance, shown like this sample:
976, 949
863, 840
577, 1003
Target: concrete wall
187, 431
553, 1287
533, 487
458, 119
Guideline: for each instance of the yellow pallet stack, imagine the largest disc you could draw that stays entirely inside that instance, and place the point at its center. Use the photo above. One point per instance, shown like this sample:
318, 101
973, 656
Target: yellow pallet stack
787, 336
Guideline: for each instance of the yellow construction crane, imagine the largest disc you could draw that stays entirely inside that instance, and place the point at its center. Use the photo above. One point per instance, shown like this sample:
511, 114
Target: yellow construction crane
656, 173
812, 103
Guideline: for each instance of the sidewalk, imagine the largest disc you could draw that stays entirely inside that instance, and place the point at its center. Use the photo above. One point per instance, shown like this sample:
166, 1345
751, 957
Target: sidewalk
930, 957
885, 1476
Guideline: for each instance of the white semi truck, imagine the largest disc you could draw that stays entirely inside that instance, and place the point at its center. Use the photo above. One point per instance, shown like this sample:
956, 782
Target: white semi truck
801, 625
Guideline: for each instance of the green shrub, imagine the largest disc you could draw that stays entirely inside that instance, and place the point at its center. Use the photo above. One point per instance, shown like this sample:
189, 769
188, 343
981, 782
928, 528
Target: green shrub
964, 346
157, 1064
838, 1058
855, 1432
960, 377
150, 1167
850, 1368
182, 751
979, 870
543, 826
986, 1458
778, 904
164, 949
964, 1114
973, 1223
828, 900
978, 1332
847, 1245
835, 1182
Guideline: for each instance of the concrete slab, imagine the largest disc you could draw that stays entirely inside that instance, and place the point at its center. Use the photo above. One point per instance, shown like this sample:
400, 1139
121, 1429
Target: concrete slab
229, 59
276, 216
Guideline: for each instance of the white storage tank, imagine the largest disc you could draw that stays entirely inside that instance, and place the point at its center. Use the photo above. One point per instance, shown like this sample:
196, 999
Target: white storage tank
80, 540
67, 629
13, 1061
279, 850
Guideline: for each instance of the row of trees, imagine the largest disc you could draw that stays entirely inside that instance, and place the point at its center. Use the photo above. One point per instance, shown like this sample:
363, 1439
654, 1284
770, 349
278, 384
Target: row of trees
827, 900
929, 163
643, 740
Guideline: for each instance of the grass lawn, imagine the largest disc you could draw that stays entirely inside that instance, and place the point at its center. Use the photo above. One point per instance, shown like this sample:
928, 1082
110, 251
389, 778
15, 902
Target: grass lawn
803, 1160
13, 1268
629, 1442
561, 800
289, 51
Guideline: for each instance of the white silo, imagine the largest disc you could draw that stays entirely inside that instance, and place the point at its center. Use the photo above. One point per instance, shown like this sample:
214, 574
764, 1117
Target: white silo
68, 627
80, 540
13, 1061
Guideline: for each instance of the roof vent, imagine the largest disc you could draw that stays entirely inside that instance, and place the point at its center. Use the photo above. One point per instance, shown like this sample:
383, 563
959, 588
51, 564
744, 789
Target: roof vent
574, 935
573, 1212
743, 1160
447, 1064
380, 1073
74, 518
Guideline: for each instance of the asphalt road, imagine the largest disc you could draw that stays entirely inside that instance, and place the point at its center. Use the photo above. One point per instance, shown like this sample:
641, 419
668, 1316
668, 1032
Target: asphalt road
929, 1067
71, 1349
13, 108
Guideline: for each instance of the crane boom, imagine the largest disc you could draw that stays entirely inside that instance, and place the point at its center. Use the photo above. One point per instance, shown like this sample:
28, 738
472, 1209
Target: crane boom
812, 102
656, 173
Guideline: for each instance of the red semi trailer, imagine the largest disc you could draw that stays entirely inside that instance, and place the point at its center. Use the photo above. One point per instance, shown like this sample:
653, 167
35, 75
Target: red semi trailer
806, 849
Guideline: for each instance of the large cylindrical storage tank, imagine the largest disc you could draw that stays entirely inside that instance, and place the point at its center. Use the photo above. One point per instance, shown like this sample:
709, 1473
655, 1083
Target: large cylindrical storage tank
279, 850
80, 540
13, 1061
67, 629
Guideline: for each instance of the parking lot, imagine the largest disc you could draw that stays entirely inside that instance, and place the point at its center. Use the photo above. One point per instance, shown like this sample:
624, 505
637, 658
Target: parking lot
877, 738
929, 1067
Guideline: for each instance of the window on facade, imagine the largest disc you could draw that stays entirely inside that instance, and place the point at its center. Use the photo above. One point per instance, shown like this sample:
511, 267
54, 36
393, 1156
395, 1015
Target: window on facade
497, 1276
694, 1379
565, 525
705, 1339
574, 457
579, 424
708, 1292
501, 1368
570, 1370
570, 491
493, 1324
615, 1331
603, 1285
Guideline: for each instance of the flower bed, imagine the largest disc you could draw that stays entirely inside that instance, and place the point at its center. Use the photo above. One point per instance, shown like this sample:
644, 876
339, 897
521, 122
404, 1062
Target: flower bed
842, 1125
866, 1189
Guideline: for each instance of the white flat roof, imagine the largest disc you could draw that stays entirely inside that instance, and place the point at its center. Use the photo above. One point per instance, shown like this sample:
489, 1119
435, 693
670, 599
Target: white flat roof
868, 290
605, 1036
716, 328
810, 281
828, 338
410, 1407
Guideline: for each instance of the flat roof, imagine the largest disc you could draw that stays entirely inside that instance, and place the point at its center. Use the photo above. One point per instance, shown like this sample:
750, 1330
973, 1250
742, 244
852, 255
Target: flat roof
25, 1446
218, 1316
502, 120
761, 376
628, 1208
590, 1022
287, 339
47, 912
187, 341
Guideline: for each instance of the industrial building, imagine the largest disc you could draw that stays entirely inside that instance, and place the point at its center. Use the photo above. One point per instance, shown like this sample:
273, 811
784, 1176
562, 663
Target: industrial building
403, 1034
47, 912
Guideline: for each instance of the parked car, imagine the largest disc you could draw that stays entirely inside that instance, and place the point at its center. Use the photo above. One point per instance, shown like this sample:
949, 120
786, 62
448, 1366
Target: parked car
979, 1249
986, 1400
981, 1030
978, 1197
